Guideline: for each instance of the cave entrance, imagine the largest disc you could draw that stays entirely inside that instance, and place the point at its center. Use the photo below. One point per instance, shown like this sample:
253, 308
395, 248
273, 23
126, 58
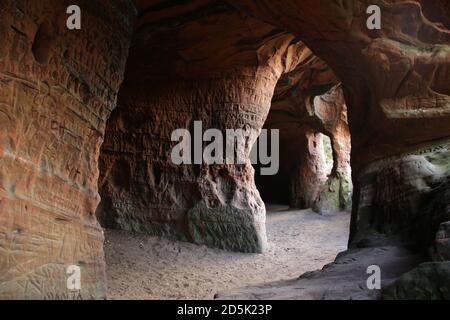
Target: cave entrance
275, 189
149, 204
314, 153
148, 267
305, 164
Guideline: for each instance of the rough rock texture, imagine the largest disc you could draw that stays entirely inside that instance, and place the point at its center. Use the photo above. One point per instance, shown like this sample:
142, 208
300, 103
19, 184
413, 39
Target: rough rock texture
336, 193
302, 113
311, 171
307, 101
395, 80
57, 88
429, 281
441, 248
405, 197
175, 78
395, 83
216, 61
300, 142
437, 11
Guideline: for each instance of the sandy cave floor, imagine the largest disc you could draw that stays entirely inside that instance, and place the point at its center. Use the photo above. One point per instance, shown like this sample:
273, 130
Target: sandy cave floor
143, 267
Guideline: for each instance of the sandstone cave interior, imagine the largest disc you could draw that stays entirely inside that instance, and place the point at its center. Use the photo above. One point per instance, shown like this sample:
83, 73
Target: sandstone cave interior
87, 177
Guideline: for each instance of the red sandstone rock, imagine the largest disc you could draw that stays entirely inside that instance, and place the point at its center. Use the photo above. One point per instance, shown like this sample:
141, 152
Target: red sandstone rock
442, 242
219, 63
57, 89
301, 110
179, 74
395, 80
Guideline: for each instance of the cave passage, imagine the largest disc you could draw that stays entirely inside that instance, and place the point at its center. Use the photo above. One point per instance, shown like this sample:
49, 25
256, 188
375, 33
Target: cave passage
280, 189
309, 111
143, 267
304, 205
87, 118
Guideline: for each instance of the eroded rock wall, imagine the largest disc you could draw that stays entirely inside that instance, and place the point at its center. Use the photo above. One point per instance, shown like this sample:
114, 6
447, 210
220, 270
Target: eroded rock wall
395, 80
311, 173
395, 83
337, 192
404, 197
57, 88
180, 73
308, 101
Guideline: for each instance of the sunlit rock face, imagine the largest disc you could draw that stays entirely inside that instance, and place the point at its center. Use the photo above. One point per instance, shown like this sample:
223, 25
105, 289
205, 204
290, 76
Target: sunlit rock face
181, 72
57, 88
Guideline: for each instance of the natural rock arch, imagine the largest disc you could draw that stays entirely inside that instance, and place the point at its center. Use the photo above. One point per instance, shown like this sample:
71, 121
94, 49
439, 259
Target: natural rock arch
307, 103
393, 79
57, 89
227, 84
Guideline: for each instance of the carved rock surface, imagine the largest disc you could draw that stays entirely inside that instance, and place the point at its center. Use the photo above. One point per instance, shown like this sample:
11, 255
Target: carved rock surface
218, 62
57, 88
175, 78
308, 101
395, 83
